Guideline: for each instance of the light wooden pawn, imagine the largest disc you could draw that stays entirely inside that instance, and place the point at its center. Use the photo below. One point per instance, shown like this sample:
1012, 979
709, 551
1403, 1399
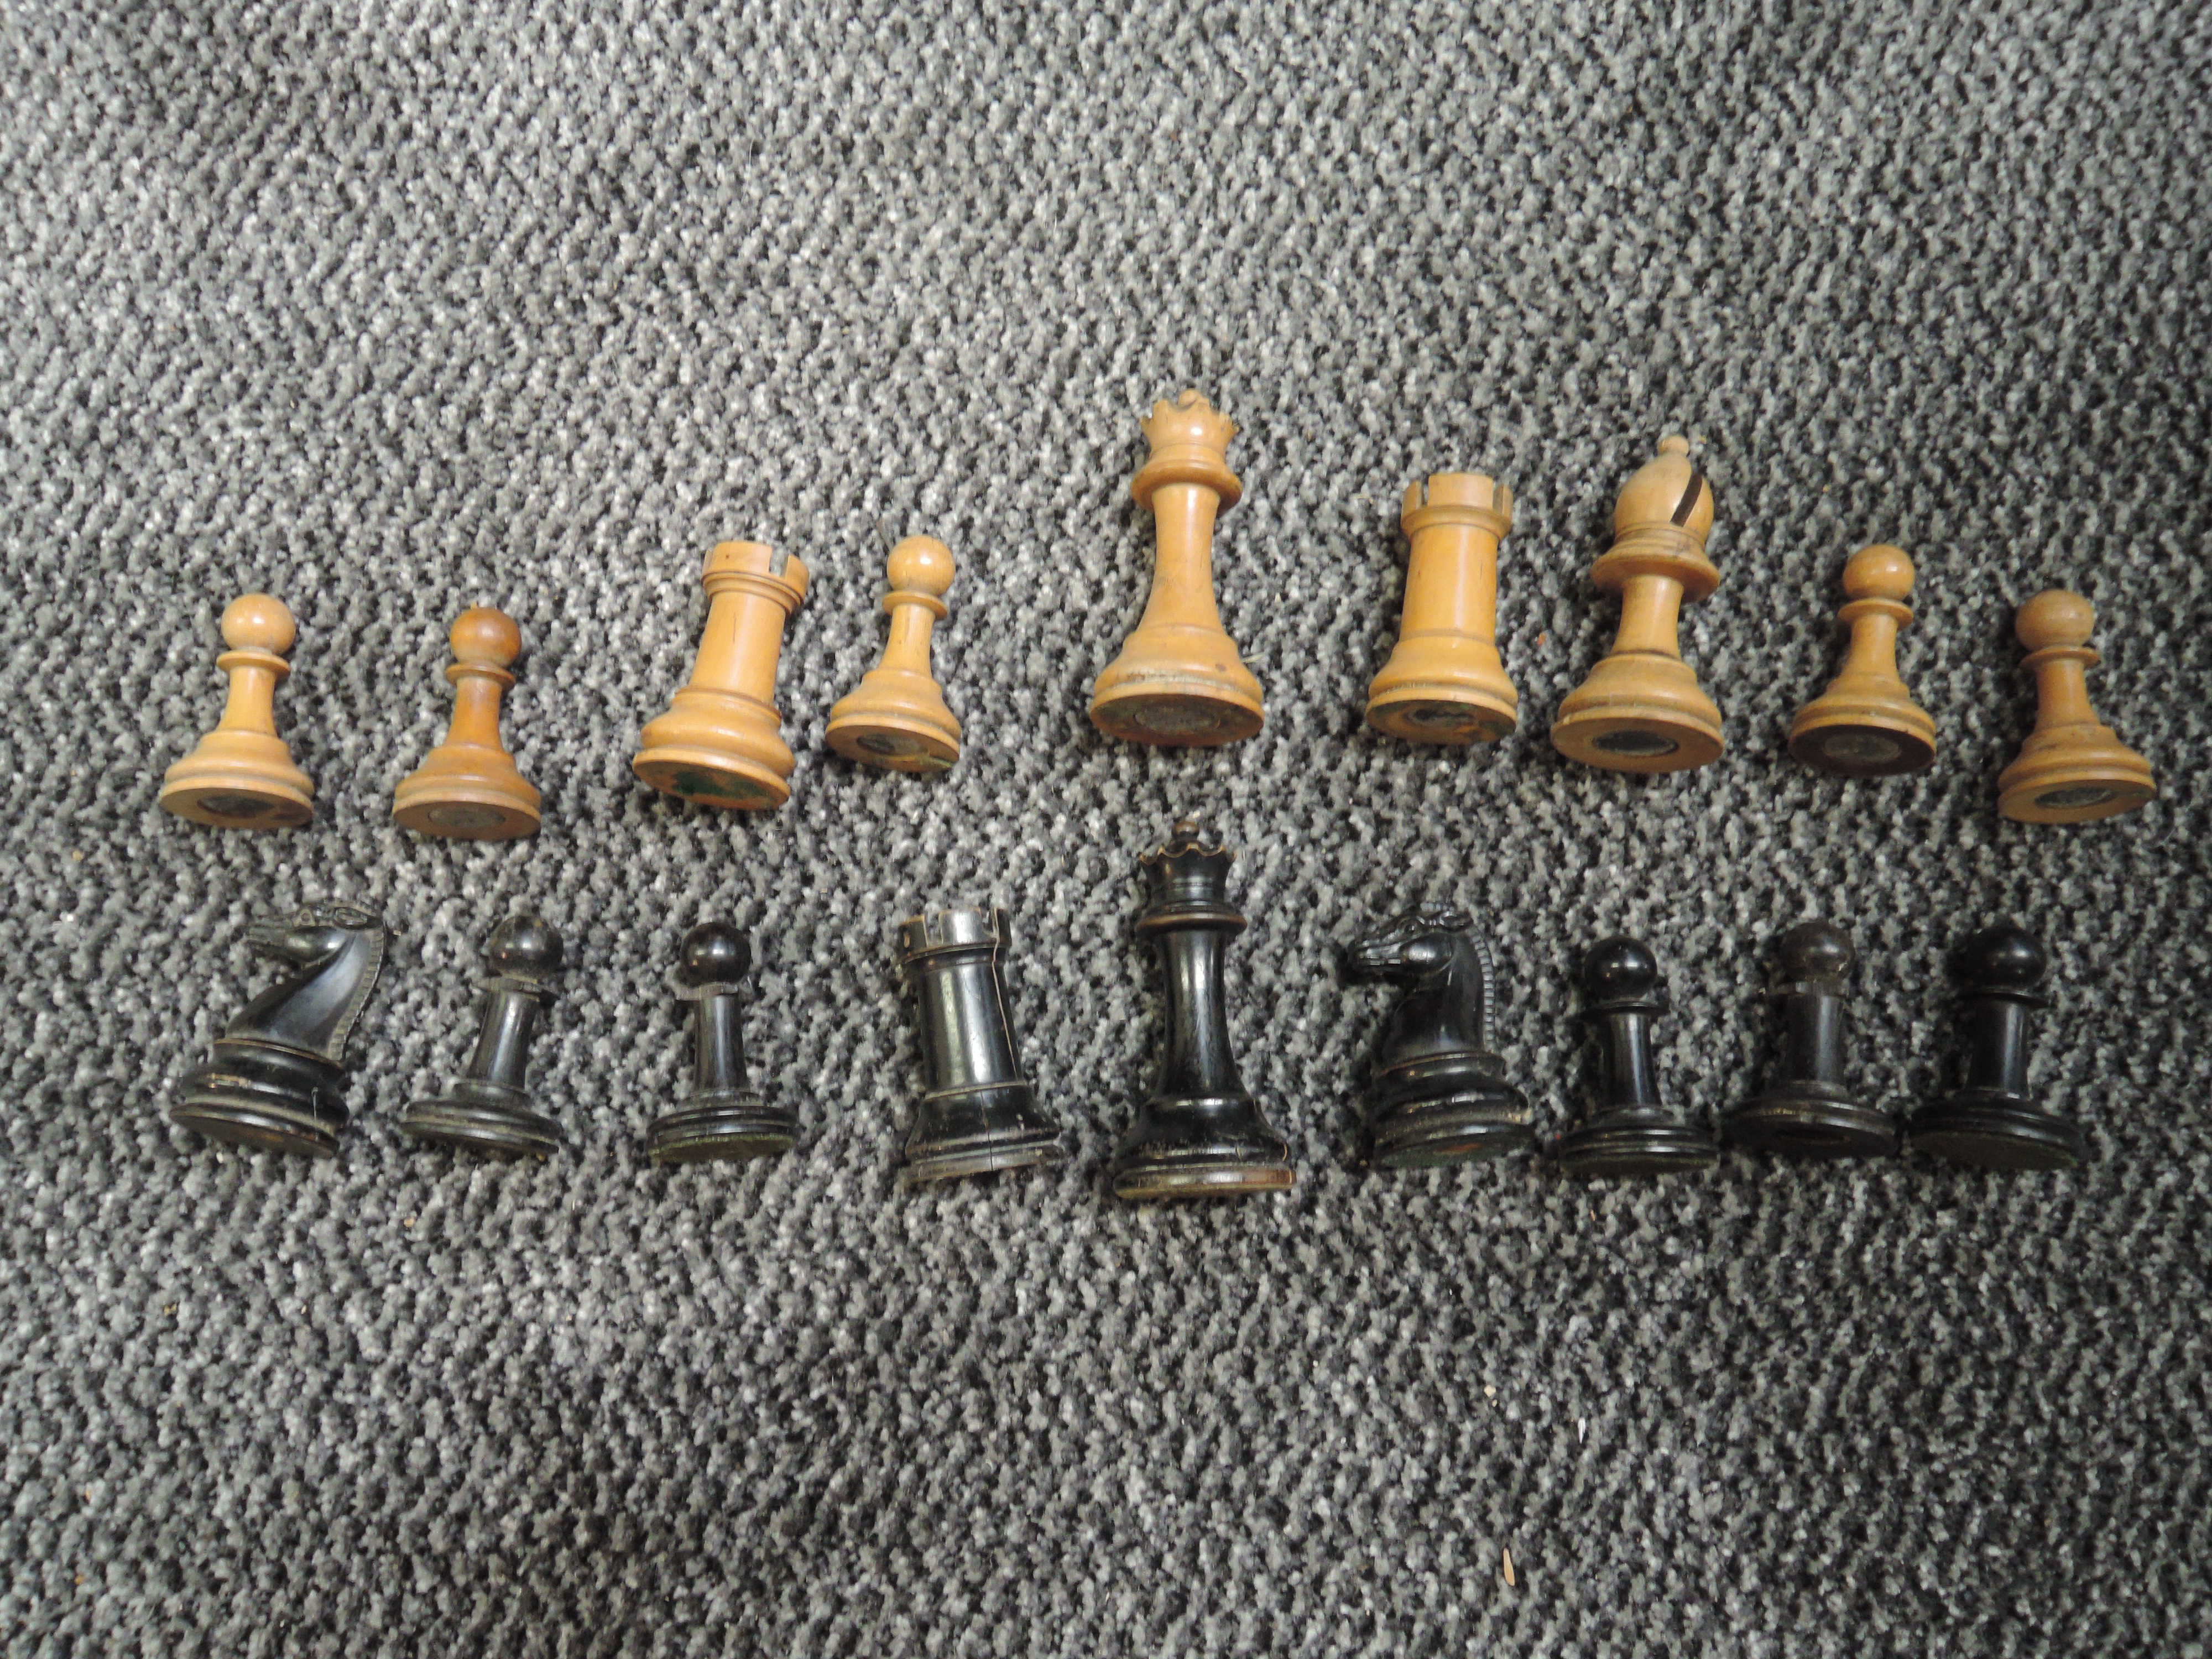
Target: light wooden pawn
721, 741
469, 788
1445, 683
896, 717
1179, 681
1866, 724
240, 775
1642, 709
2072, 767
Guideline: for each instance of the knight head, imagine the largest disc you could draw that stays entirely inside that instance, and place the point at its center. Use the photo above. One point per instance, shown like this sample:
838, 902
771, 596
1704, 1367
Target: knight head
1412, 945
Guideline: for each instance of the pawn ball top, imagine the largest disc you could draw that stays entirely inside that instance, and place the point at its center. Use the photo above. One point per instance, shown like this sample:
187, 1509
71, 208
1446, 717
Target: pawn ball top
1880, 572
921, 564
2005, 957
1673, 444
525, 946
485, 635
1815, 950
1665, 489
1620, 970
714, 953
2054, 616
254, 622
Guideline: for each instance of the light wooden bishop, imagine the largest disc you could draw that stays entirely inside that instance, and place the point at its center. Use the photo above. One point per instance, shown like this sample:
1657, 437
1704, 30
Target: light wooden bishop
1866, 724
896, 717
1445, 683
469, 788
240, 775
2072, 767
721, 741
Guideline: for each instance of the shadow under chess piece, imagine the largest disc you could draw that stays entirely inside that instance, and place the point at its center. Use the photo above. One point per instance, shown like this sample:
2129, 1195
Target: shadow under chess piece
978, 1112
1200, 1134
896, 717
1179, 680
721, 1118
1445, 682
468, 788
1439, 1094
241, 776
1992, 1120
487, 1109
1628, 1129
277, 1077
1642, 709
1809, 1110
2072, 767
1866, 724
721, 741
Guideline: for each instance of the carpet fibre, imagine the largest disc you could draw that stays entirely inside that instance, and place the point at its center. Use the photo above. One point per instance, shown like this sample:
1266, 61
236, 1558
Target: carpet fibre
393, 309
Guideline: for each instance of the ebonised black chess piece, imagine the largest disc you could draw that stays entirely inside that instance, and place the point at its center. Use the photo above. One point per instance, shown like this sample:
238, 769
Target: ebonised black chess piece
488, 1109
1992, 1120
1809, 1110
277, 1075
1628, 1130
1439, 1094
721, 1117
978, 1112
1200, 1134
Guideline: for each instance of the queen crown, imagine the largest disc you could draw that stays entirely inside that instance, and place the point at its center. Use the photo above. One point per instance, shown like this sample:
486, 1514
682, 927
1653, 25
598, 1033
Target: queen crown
1183, 872
1188, 423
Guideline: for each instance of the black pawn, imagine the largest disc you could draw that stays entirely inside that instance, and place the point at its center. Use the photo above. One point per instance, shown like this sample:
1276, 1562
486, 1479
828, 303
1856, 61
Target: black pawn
1992, 1120
721, 1117
1809, 1110
487, 1109
1628, 1130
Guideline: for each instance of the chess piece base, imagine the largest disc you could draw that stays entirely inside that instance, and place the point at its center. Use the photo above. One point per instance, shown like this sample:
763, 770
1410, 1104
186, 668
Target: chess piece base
1996, 1131
1803, 1124
1443, 713
721, 1128
464, 802
1861, 744
976, 1132
900, 742
1639, 712
252, 1095
1190, 714
2072, 776
1447, 1108
238, 780
1200, 1149
711, 777
483, 1117
1614, 1145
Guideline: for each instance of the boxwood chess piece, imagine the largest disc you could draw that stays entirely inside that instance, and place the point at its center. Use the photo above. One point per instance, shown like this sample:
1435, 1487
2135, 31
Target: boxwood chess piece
1199, 1134
469, 788
1445, 682
1628, 1129
1439, 1094
1642, 709
2072, 767
488, 1109
1809, 1110
1866, 724
240, 775
1992, 1120
277, 1077
721, 1118
896, 717
721, 741
1179, 680
978, 1112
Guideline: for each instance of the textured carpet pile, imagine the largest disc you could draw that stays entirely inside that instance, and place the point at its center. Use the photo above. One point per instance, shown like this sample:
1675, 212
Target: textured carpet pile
389, 309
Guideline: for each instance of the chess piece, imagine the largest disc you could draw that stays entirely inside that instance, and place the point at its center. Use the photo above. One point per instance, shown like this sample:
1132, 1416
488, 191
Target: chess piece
1866, 724
1992, 1120
1641, 709
1809, 1110
2071, 768
721, 741
978, 1112
1628, 1130
278, 1073
241, 776
1200, 1134
468, 787
488, 1109
1444, 683
1439, 1094
1179, 681
720, 1118
896, 717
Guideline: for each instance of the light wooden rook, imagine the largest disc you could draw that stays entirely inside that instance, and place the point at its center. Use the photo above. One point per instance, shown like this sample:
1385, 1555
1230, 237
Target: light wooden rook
2071, 767
896, 717
240, 775
1445, 683
1866, 724
469, 788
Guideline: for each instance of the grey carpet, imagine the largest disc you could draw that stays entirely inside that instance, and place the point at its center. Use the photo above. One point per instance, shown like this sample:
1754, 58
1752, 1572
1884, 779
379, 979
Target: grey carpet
390, 309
